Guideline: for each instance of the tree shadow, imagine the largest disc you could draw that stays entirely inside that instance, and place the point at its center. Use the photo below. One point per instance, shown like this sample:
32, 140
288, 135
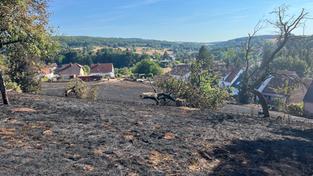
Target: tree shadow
290, 156
306, 134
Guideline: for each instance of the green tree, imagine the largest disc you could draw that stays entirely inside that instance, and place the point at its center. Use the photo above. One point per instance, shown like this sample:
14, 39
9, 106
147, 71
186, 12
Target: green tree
147, 67
255, 75
23, 26
124, 72
166, 55
205, 58
291, 64
86, 69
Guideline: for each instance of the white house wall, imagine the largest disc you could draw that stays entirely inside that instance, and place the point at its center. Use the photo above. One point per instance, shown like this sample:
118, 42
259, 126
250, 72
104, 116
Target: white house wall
264, 84
237, 76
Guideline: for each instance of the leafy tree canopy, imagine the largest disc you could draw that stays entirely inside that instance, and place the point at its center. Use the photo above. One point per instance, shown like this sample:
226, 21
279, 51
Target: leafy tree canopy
204, 57
24, 22
147, 67
24, 39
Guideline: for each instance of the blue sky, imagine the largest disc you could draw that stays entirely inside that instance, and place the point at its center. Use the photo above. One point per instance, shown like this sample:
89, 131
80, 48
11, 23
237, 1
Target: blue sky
173, 20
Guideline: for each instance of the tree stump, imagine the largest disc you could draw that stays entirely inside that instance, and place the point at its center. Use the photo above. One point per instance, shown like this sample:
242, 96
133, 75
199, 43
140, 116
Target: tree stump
3, 91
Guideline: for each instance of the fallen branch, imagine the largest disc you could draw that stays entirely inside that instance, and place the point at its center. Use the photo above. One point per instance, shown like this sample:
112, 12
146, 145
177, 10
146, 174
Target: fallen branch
159, 97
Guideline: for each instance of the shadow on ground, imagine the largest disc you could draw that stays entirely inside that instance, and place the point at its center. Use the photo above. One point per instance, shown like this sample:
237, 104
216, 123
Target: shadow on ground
293, 155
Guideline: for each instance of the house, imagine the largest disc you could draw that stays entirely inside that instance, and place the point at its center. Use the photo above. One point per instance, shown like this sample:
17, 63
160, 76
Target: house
69, 71
48, 71
165, 63
220, 67
283, 86
181, 72
104, 70
232, 79
308, 102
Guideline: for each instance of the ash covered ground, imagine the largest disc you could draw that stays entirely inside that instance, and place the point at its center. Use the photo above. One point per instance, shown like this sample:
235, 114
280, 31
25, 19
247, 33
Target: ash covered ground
121, 135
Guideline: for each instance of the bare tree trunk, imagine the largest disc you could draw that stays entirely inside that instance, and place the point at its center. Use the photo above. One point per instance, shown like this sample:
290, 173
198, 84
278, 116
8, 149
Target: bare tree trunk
3, 90
262, 102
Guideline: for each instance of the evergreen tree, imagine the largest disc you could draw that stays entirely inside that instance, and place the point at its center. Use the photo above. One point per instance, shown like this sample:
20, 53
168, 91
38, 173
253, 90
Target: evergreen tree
205, 58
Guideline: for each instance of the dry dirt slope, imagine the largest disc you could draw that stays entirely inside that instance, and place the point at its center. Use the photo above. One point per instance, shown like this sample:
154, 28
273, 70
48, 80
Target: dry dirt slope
58, 136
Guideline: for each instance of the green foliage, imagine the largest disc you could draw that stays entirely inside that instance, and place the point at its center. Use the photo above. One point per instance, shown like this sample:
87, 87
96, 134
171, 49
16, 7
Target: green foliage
82, 90
83, 41
80, 87
25, 39
86, 69
147, 67
44, 79
25, 23
211, 94
232, 57
202, 90
124, 72
93, 93
296, 109
117, 57
166, 55
279, 105
205, 58
13, 86
23, 70
291, 64
206, 96
196, 74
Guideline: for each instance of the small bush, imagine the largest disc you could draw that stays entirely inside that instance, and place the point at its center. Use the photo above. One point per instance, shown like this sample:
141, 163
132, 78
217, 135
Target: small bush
44, 79
279, 105
13, 86
205, 96
93, 93
79, 86
296, 109
124, 72
82, 90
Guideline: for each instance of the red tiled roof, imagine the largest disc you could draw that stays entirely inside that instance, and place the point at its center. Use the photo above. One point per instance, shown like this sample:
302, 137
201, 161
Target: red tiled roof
45, 70
101, 68
70, 69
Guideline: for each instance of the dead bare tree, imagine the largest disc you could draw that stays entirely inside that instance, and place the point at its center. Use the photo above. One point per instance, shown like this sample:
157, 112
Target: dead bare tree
285, 26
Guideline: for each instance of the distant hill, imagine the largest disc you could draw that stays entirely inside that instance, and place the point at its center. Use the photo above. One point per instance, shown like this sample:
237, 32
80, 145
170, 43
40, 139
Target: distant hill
239, 42
258, 41
83, 41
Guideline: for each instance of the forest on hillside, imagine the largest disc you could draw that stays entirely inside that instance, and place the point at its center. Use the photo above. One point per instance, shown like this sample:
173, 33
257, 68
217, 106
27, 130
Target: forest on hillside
295, 56
86, 41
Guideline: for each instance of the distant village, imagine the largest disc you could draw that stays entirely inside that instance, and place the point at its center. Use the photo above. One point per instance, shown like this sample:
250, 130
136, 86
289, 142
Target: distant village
272, 88
70, 71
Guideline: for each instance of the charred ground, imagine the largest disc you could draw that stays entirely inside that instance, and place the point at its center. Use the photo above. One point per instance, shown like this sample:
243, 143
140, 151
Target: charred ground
46, 135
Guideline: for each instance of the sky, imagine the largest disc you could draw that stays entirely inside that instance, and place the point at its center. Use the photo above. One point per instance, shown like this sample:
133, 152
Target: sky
171, 20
